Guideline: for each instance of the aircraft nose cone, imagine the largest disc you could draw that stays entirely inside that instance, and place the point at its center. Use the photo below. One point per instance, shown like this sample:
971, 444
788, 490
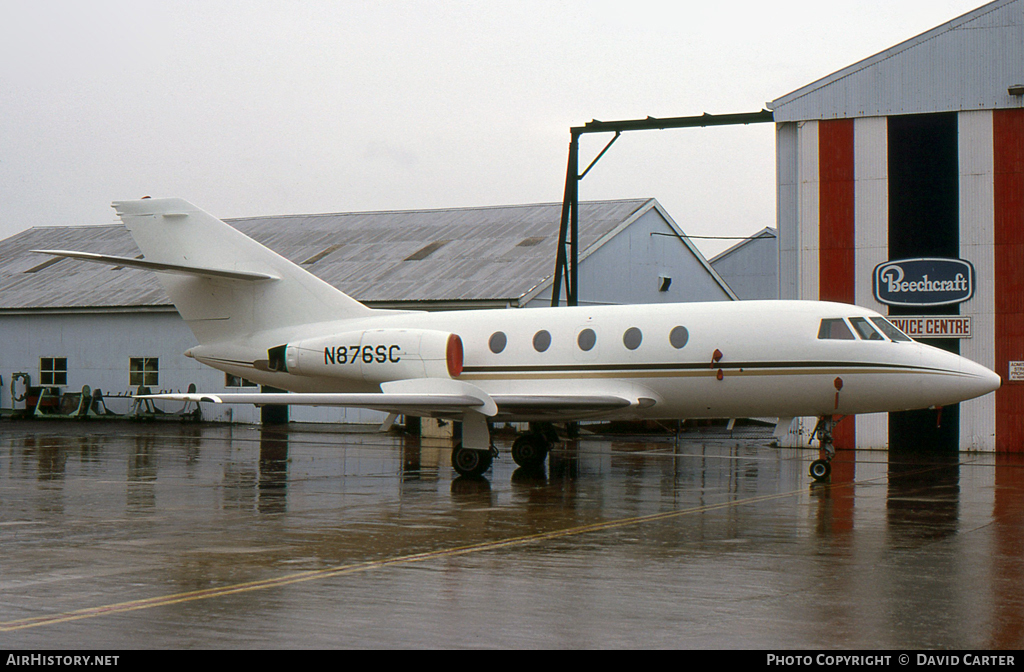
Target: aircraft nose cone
978, 380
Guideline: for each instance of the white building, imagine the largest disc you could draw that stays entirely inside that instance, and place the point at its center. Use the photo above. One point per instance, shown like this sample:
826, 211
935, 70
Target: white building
751, 266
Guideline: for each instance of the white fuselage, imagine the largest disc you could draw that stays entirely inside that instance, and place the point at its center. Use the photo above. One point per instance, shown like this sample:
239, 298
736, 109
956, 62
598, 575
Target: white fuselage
260, 316
772, 361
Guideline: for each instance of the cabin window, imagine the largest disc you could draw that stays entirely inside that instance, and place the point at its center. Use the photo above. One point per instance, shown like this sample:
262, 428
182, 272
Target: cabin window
586, 340
53, 371
497, 342
835, 329
865, 330
632, 338
890, 330
541, 340
144, 371
678, 337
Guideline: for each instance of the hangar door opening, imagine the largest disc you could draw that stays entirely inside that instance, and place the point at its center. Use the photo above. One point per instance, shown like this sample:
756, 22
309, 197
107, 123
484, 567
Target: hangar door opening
924, 221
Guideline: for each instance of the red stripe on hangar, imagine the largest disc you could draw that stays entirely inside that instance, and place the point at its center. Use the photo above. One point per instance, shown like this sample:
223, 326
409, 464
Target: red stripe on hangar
1008, 187
836, 255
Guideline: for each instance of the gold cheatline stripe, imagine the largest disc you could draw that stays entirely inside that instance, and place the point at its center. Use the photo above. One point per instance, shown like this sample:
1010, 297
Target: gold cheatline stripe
706, 373
122, 607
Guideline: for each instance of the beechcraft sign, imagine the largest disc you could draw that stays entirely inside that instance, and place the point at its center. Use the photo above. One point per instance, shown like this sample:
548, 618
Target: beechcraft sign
924, 282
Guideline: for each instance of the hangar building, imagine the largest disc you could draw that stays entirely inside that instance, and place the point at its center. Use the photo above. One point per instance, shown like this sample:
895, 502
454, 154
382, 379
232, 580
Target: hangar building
69, 323
751, 266
917, 153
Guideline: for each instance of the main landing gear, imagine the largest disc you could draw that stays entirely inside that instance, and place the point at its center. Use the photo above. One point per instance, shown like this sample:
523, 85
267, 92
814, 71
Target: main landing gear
473, 455
531, 449
470, 462
821, 469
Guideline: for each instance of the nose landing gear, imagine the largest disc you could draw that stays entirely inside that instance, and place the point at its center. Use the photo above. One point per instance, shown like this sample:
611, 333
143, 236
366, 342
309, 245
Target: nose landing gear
821, 469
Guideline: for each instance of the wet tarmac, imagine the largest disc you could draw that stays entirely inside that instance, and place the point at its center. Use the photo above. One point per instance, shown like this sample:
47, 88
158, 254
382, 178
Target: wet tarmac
172, 536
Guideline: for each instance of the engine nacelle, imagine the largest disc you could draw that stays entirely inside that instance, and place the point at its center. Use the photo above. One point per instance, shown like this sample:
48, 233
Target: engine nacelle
373, 355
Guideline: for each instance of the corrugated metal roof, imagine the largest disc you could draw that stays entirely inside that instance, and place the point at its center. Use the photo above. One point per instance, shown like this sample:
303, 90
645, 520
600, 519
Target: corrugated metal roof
965, 64
363, 254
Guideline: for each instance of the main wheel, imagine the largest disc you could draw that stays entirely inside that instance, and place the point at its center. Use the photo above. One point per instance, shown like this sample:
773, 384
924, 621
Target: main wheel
530, 450
820, 469
469, 462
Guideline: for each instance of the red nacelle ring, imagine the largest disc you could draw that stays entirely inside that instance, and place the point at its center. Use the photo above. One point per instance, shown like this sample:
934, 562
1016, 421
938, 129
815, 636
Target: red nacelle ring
454, 356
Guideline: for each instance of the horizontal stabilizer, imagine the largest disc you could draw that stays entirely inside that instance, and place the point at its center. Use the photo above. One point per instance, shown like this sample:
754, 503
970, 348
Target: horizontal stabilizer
112, 260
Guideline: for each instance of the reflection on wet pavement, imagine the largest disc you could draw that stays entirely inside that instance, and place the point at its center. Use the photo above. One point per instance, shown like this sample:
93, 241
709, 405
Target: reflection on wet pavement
192, 536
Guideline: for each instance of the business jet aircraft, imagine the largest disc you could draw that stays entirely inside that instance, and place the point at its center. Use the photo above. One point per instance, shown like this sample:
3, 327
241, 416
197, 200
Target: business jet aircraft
259, 316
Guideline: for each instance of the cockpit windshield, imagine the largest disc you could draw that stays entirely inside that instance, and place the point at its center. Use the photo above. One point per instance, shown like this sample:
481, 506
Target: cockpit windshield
865, 330
890, 330
836, 328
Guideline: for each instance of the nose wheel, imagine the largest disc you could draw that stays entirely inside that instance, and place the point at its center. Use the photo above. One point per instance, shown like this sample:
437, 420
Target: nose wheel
821, 469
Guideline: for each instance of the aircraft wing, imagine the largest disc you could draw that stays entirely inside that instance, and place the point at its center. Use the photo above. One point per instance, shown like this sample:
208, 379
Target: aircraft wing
421, 397
428, 397
402, 403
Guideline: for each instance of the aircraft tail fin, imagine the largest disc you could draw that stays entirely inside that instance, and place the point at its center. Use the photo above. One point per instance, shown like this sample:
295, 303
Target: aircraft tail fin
200, 254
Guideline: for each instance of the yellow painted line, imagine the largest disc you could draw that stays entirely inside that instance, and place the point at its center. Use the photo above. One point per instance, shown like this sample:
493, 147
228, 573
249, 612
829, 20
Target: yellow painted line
341, 570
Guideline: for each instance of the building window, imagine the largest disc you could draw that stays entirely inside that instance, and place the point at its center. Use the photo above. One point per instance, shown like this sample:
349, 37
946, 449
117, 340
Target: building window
53, 371
144, 371
237, 381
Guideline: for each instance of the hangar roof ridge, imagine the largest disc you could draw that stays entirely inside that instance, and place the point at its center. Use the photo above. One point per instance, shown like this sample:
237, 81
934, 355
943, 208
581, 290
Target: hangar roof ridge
490, 255
848, 101
465, 208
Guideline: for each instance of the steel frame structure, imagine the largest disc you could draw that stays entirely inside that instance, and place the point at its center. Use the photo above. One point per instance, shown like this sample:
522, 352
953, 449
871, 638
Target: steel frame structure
567, 254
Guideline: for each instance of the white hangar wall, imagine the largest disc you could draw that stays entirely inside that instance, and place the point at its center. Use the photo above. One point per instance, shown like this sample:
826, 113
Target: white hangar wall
842, 172
98, 348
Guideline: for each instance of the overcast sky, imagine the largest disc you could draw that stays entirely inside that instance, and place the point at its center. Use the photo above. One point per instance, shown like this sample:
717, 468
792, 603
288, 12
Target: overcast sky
260, 108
